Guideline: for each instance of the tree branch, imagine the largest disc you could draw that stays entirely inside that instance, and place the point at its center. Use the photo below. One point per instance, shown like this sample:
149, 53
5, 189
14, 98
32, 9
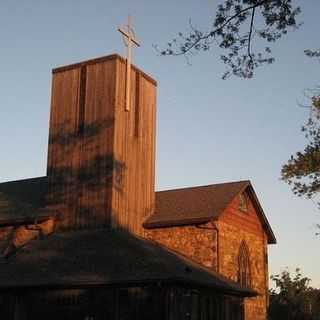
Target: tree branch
250, 34
213, 32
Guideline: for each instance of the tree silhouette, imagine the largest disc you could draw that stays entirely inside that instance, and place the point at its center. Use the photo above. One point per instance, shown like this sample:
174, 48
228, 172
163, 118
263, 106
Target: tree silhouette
302, 170
235, 25
293, 298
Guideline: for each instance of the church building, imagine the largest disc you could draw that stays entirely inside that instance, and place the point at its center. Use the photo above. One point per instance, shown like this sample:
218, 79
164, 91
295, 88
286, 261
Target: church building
93, 240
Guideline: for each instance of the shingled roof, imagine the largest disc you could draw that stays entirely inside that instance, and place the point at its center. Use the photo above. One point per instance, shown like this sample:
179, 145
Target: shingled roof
22, 201
105, 257
201, 204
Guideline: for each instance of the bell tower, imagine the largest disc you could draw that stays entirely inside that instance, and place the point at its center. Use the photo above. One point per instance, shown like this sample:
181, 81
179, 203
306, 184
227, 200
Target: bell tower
101, 157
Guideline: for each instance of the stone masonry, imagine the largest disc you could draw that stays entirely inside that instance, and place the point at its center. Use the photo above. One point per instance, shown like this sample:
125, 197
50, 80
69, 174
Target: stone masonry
216, 245
196, 242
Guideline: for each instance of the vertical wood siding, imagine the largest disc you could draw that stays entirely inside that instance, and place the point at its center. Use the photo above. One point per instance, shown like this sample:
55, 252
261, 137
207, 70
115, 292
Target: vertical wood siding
80, 160
134, 148
63, 143
96, 150
101, 162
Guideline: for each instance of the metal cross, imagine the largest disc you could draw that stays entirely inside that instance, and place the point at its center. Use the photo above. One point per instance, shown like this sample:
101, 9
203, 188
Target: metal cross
129, 38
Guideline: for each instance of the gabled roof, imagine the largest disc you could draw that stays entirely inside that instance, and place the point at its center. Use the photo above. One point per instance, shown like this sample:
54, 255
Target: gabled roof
105, 257
196, 205
22, 201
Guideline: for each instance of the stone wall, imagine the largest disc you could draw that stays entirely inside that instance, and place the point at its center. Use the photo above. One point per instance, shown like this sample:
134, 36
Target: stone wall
236, 226
219, 249
197, 242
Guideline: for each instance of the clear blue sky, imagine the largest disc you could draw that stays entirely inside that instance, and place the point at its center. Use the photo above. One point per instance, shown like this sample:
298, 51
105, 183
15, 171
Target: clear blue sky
209, 130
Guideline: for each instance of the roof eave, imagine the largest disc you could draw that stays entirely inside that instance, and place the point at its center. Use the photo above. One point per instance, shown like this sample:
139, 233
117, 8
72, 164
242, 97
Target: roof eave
176, 223
245, 292
270, 234
24, 221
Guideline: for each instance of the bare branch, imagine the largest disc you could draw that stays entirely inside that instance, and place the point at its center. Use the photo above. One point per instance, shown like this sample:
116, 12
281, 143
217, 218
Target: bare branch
250, 34
215, 31
233, 31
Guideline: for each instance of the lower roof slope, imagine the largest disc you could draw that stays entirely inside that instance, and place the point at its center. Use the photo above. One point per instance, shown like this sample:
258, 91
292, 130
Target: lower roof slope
193, 205
22, 200
105, 257
196, 205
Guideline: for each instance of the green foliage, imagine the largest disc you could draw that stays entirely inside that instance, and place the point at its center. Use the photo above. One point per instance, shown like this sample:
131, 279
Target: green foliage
233, 29
293, 298
312, 53
302, 171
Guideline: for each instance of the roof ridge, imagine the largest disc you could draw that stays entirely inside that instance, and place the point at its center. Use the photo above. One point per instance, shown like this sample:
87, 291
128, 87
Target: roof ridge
205, 186
21, 180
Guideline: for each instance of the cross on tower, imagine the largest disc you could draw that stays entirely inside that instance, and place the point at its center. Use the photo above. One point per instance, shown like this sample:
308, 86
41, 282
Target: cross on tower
129, 38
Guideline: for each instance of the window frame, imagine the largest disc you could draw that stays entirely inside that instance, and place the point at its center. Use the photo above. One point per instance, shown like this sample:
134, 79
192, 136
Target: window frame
244, 266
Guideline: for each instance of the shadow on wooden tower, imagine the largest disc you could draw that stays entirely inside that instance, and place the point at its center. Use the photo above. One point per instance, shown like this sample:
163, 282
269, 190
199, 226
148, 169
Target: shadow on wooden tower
101, 158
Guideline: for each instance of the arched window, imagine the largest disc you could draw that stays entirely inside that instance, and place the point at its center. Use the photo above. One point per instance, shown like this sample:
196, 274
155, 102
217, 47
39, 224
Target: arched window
244, 274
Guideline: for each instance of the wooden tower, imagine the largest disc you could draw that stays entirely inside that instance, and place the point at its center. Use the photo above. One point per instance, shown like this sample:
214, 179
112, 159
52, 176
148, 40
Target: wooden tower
101, 157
